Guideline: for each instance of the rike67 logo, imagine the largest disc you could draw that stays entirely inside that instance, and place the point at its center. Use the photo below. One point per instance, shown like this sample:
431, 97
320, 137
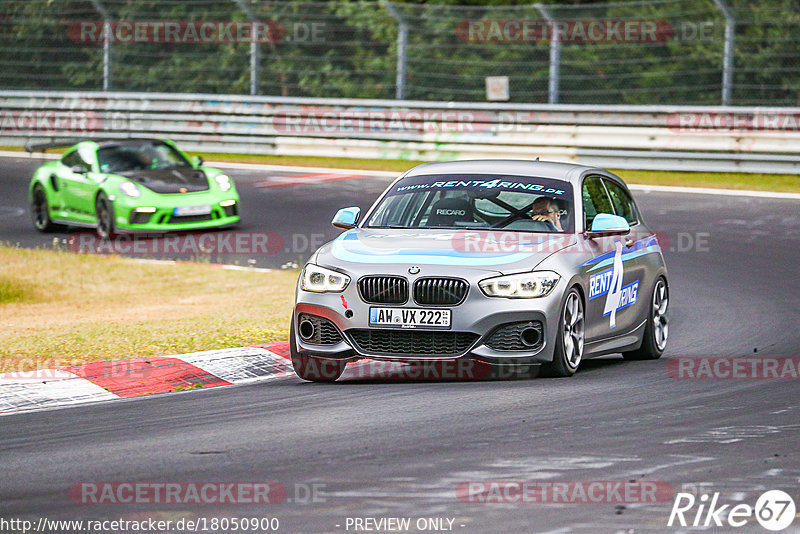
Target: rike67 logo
774, 510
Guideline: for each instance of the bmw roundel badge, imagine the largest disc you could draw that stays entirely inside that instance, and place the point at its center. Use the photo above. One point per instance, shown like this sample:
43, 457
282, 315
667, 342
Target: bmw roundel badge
413, 270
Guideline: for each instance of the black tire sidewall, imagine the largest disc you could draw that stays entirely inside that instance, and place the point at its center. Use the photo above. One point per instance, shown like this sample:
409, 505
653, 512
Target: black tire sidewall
649, 348
559, 367
48, 224
103, 199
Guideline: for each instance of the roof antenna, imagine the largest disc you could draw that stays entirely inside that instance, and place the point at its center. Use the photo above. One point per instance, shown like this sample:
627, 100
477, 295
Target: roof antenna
537, 158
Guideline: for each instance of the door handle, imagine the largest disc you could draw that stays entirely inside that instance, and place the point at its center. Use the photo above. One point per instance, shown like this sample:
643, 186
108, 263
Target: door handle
629, 243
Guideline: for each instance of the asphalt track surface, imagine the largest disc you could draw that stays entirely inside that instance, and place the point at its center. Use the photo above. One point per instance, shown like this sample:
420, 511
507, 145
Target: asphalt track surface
400, 448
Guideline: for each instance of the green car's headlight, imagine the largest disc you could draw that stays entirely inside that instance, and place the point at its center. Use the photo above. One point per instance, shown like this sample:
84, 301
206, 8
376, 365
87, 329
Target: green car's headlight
130, 189
321, 280
520, 286
223, 181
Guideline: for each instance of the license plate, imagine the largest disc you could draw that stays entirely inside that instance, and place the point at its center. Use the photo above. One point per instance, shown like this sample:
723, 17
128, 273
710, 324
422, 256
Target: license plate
192, 210
409, 317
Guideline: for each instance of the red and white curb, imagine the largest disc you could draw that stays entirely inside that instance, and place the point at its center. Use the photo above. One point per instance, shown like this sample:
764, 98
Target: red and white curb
100, 381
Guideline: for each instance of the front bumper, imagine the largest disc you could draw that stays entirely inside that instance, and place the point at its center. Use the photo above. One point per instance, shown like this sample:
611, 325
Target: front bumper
160, 216
478, 315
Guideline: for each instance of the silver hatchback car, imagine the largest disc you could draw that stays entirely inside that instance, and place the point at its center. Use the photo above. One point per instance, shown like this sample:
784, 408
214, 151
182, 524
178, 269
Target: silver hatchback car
529, 264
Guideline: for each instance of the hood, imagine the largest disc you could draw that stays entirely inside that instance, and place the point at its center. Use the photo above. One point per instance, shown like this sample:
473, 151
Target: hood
476, 250
172, 180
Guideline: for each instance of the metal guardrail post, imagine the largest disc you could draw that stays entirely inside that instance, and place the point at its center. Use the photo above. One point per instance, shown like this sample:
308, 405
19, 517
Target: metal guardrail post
402, 38
253, 46
101, 10
555, 56
727, 60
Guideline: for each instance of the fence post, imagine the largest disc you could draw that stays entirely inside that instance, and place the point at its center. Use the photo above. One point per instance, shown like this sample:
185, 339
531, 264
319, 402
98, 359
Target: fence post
253, 46
727, 60
101, 10
555, 56
402, 37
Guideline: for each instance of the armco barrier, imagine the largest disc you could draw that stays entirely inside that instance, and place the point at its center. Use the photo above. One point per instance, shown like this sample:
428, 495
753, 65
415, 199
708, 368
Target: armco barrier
641, 137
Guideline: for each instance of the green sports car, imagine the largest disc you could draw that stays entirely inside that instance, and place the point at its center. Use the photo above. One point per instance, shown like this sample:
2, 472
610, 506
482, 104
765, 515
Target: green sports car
145, 185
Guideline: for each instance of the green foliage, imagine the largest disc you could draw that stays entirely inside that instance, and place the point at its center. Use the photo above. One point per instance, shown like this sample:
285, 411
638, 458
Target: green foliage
349, 49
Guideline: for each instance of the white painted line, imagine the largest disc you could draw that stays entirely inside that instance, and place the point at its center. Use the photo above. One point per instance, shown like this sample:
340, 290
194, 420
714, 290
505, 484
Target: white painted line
225, 266
229, 267
28, 155
290, 168
153, 262
711, 191
638, 187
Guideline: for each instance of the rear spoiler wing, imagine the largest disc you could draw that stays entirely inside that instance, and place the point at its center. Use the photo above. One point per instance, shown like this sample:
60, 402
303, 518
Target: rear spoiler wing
43, 146
32, 146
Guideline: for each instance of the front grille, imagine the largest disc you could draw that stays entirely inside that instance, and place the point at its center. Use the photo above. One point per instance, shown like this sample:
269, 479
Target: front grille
441, 291
138, 217
383, 289
325, 332
509, 337
231, 210
181, 219
412, 342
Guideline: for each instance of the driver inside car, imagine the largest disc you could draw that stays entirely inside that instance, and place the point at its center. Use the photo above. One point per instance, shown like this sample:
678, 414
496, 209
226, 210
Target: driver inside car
545, 209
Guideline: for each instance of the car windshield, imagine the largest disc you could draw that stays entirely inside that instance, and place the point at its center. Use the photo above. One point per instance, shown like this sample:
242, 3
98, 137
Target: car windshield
139, 156
520, 203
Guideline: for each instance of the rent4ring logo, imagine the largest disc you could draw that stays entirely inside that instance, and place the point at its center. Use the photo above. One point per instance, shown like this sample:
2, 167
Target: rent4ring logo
774, 510
609, 283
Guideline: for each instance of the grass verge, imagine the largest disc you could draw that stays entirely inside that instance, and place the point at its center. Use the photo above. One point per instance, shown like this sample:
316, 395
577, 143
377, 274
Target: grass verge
59, 309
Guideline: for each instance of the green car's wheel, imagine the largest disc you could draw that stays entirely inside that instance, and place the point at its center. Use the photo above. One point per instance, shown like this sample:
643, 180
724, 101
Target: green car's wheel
40, 211
105, 216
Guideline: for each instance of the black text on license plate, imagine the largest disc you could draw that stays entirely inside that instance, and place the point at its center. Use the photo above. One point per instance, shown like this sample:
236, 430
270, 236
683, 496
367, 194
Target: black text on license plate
409, 317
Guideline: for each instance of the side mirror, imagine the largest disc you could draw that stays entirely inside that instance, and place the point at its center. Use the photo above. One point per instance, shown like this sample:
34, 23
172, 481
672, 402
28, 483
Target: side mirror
197, 161
606, 224
79, 169
346, 218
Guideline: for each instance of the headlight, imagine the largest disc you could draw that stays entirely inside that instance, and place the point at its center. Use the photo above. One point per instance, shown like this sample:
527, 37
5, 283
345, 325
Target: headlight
223, 181
130, 189
520, 286
321, 280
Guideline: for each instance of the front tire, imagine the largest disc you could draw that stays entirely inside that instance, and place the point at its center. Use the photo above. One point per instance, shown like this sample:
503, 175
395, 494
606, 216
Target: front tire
654, 340
104, 210
312, 368
40, 211
569, 343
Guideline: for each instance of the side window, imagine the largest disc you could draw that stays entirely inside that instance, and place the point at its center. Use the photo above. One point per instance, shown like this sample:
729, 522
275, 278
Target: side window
595, 199
72, 159
623, 203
